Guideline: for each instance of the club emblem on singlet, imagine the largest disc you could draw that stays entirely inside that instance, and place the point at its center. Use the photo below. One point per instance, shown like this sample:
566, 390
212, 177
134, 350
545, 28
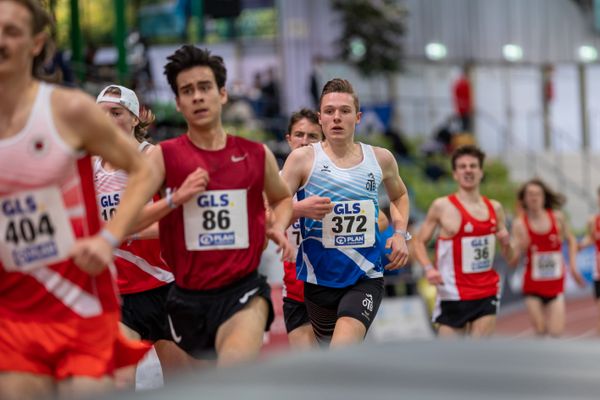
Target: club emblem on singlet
468, 227
38, 146
370, 186
325, 168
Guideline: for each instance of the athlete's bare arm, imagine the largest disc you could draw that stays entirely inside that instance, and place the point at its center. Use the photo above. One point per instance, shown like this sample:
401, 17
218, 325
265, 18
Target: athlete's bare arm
588, 239
295, 174
425, 234
519, 242
195, 183
502, 232
280, 202
572, 243
399, 207
84, 126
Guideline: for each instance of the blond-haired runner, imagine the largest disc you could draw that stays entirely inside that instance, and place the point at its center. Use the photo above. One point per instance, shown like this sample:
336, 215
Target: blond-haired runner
58, 308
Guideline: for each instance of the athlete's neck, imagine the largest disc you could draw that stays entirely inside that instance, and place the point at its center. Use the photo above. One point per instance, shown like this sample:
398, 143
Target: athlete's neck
208, 139
17, 93
535, 214
469, 195
341, 150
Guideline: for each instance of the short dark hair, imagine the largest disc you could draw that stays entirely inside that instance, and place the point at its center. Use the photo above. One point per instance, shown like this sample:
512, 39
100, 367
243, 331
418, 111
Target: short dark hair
552, 199
468, 150
189, 56
304, 113
338, 85
40, 21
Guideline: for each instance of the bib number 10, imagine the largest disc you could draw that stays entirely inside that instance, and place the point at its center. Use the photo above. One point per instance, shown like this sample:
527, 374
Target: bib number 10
27, 231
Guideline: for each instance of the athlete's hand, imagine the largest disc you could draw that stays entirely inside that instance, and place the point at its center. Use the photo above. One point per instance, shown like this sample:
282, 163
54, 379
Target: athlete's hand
92, 254
433, 276
314, 207
399, 255
283, 245
195, 183
503, 238
579, 279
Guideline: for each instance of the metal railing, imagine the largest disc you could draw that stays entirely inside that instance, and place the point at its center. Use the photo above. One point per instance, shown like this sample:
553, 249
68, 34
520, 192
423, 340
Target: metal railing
537, 159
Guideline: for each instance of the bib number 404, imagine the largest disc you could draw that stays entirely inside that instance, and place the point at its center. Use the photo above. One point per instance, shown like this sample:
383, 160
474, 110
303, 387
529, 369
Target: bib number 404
26, 230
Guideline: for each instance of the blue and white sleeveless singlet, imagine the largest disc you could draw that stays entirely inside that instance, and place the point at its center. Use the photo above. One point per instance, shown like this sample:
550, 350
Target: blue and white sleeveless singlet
345, 246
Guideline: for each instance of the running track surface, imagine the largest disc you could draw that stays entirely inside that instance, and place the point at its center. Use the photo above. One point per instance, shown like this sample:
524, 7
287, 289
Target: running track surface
580, 322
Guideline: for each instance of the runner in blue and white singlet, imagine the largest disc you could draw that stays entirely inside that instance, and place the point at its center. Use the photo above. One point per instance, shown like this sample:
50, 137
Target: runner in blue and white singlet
348, 238
340, 254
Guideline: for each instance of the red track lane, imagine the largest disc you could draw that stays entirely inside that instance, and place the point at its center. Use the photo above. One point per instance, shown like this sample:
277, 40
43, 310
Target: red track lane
581, 320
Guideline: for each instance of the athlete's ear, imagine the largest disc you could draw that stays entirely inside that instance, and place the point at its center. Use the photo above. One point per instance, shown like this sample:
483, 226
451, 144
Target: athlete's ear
177, 104
39, 40
358, 117
224, 95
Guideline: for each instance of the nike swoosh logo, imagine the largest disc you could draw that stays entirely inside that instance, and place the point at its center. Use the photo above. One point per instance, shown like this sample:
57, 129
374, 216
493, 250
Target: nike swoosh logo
238, 159
176, 338
246, 296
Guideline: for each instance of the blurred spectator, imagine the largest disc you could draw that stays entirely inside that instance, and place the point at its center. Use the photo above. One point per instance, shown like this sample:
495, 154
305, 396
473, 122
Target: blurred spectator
58, 69
314, 85
399, 145
463, 101
91, 69
270, 94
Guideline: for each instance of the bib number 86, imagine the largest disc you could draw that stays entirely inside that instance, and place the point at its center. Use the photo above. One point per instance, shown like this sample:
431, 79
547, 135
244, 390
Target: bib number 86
212, 220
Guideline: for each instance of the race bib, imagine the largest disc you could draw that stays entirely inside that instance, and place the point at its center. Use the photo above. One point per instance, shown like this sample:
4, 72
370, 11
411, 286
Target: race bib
350, 224
216, 220
35, 229
107, 204
293, 234
546, 265
478, 253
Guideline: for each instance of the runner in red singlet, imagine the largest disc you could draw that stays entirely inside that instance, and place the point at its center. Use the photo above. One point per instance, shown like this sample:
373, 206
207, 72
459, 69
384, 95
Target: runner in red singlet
213, 234
303, 129
469, 224
143, 278
58, 307
538, 235
592, 237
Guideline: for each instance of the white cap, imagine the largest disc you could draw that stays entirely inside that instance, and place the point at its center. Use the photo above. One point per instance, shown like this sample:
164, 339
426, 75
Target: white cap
128, 99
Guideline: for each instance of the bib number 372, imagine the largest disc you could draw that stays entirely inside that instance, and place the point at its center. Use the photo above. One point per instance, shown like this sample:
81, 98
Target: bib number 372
350, 224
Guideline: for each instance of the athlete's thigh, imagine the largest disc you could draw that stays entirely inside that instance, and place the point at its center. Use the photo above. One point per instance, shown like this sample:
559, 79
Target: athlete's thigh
128, 332
446, 331
240, 337
483, 326
556, 316
24, 386
535, 309
84, 386
303, 337
348, 331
